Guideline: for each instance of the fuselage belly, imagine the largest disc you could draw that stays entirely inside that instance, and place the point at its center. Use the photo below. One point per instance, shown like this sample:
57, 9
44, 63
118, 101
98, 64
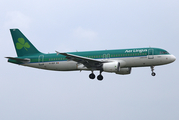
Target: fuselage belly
129, 62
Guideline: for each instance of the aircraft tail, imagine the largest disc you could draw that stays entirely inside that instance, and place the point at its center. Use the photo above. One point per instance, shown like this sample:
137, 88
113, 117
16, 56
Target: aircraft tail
22, 45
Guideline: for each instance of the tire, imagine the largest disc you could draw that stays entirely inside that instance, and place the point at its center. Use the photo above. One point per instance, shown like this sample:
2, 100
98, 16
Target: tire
153, 74
92, 76
100, 77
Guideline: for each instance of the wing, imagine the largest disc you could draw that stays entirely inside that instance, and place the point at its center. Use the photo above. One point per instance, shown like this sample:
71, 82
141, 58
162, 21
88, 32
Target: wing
88, 62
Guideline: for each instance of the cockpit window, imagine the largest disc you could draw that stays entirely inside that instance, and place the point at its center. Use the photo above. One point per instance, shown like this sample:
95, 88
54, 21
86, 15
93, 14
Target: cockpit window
164, 52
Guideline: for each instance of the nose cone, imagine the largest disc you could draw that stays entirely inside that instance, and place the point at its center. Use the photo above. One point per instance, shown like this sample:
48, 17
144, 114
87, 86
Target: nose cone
172, 58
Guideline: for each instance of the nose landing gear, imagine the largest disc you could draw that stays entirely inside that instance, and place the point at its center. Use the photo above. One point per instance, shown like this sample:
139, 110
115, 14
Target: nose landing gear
152, 69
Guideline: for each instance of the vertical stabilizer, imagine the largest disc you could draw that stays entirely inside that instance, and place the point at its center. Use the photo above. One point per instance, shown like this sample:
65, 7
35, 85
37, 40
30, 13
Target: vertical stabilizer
22, 45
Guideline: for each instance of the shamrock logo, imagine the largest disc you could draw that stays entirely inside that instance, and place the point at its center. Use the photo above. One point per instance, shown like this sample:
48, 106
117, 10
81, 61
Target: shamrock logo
21, 44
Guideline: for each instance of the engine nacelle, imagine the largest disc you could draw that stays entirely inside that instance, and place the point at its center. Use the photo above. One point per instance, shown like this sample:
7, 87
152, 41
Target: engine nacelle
111, 67
124, 71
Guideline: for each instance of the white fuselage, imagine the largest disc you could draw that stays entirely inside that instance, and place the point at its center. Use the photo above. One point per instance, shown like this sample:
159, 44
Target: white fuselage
69, 65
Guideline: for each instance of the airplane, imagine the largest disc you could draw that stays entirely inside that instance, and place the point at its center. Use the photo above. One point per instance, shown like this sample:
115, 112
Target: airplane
119, 61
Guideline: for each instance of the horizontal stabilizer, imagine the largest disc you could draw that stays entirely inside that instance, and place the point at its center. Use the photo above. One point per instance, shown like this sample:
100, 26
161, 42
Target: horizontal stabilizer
26, 60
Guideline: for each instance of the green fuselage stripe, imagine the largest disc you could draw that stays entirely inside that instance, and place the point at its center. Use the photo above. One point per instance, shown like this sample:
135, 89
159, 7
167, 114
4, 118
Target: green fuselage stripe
103, 54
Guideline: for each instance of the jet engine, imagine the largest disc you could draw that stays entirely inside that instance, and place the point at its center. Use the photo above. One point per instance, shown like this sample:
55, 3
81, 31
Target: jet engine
111, 67
124, 71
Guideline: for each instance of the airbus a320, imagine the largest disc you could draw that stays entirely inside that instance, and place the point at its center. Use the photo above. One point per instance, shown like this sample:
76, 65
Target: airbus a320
119, 61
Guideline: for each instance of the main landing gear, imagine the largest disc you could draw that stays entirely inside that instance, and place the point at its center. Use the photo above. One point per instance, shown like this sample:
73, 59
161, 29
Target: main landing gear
152, 69
92, 76
99, 77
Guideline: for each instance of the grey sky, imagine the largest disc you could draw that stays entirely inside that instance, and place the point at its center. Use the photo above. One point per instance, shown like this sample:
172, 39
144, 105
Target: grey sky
68, 25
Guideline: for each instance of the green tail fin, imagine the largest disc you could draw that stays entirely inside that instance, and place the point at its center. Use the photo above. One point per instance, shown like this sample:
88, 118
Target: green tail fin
22, 45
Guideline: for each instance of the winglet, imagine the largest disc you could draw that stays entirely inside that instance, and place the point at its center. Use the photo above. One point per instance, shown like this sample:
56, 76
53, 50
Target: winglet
57, 52
65, 54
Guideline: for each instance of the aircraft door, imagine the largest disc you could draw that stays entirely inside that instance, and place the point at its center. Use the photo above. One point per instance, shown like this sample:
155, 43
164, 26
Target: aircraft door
41, 60
106, 56
151, 54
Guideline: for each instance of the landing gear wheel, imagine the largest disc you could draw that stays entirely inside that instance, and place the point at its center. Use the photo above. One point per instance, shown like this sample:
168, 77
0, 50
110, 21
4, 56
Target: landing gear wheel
92, 76
152, 69
100, 77
153, 74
